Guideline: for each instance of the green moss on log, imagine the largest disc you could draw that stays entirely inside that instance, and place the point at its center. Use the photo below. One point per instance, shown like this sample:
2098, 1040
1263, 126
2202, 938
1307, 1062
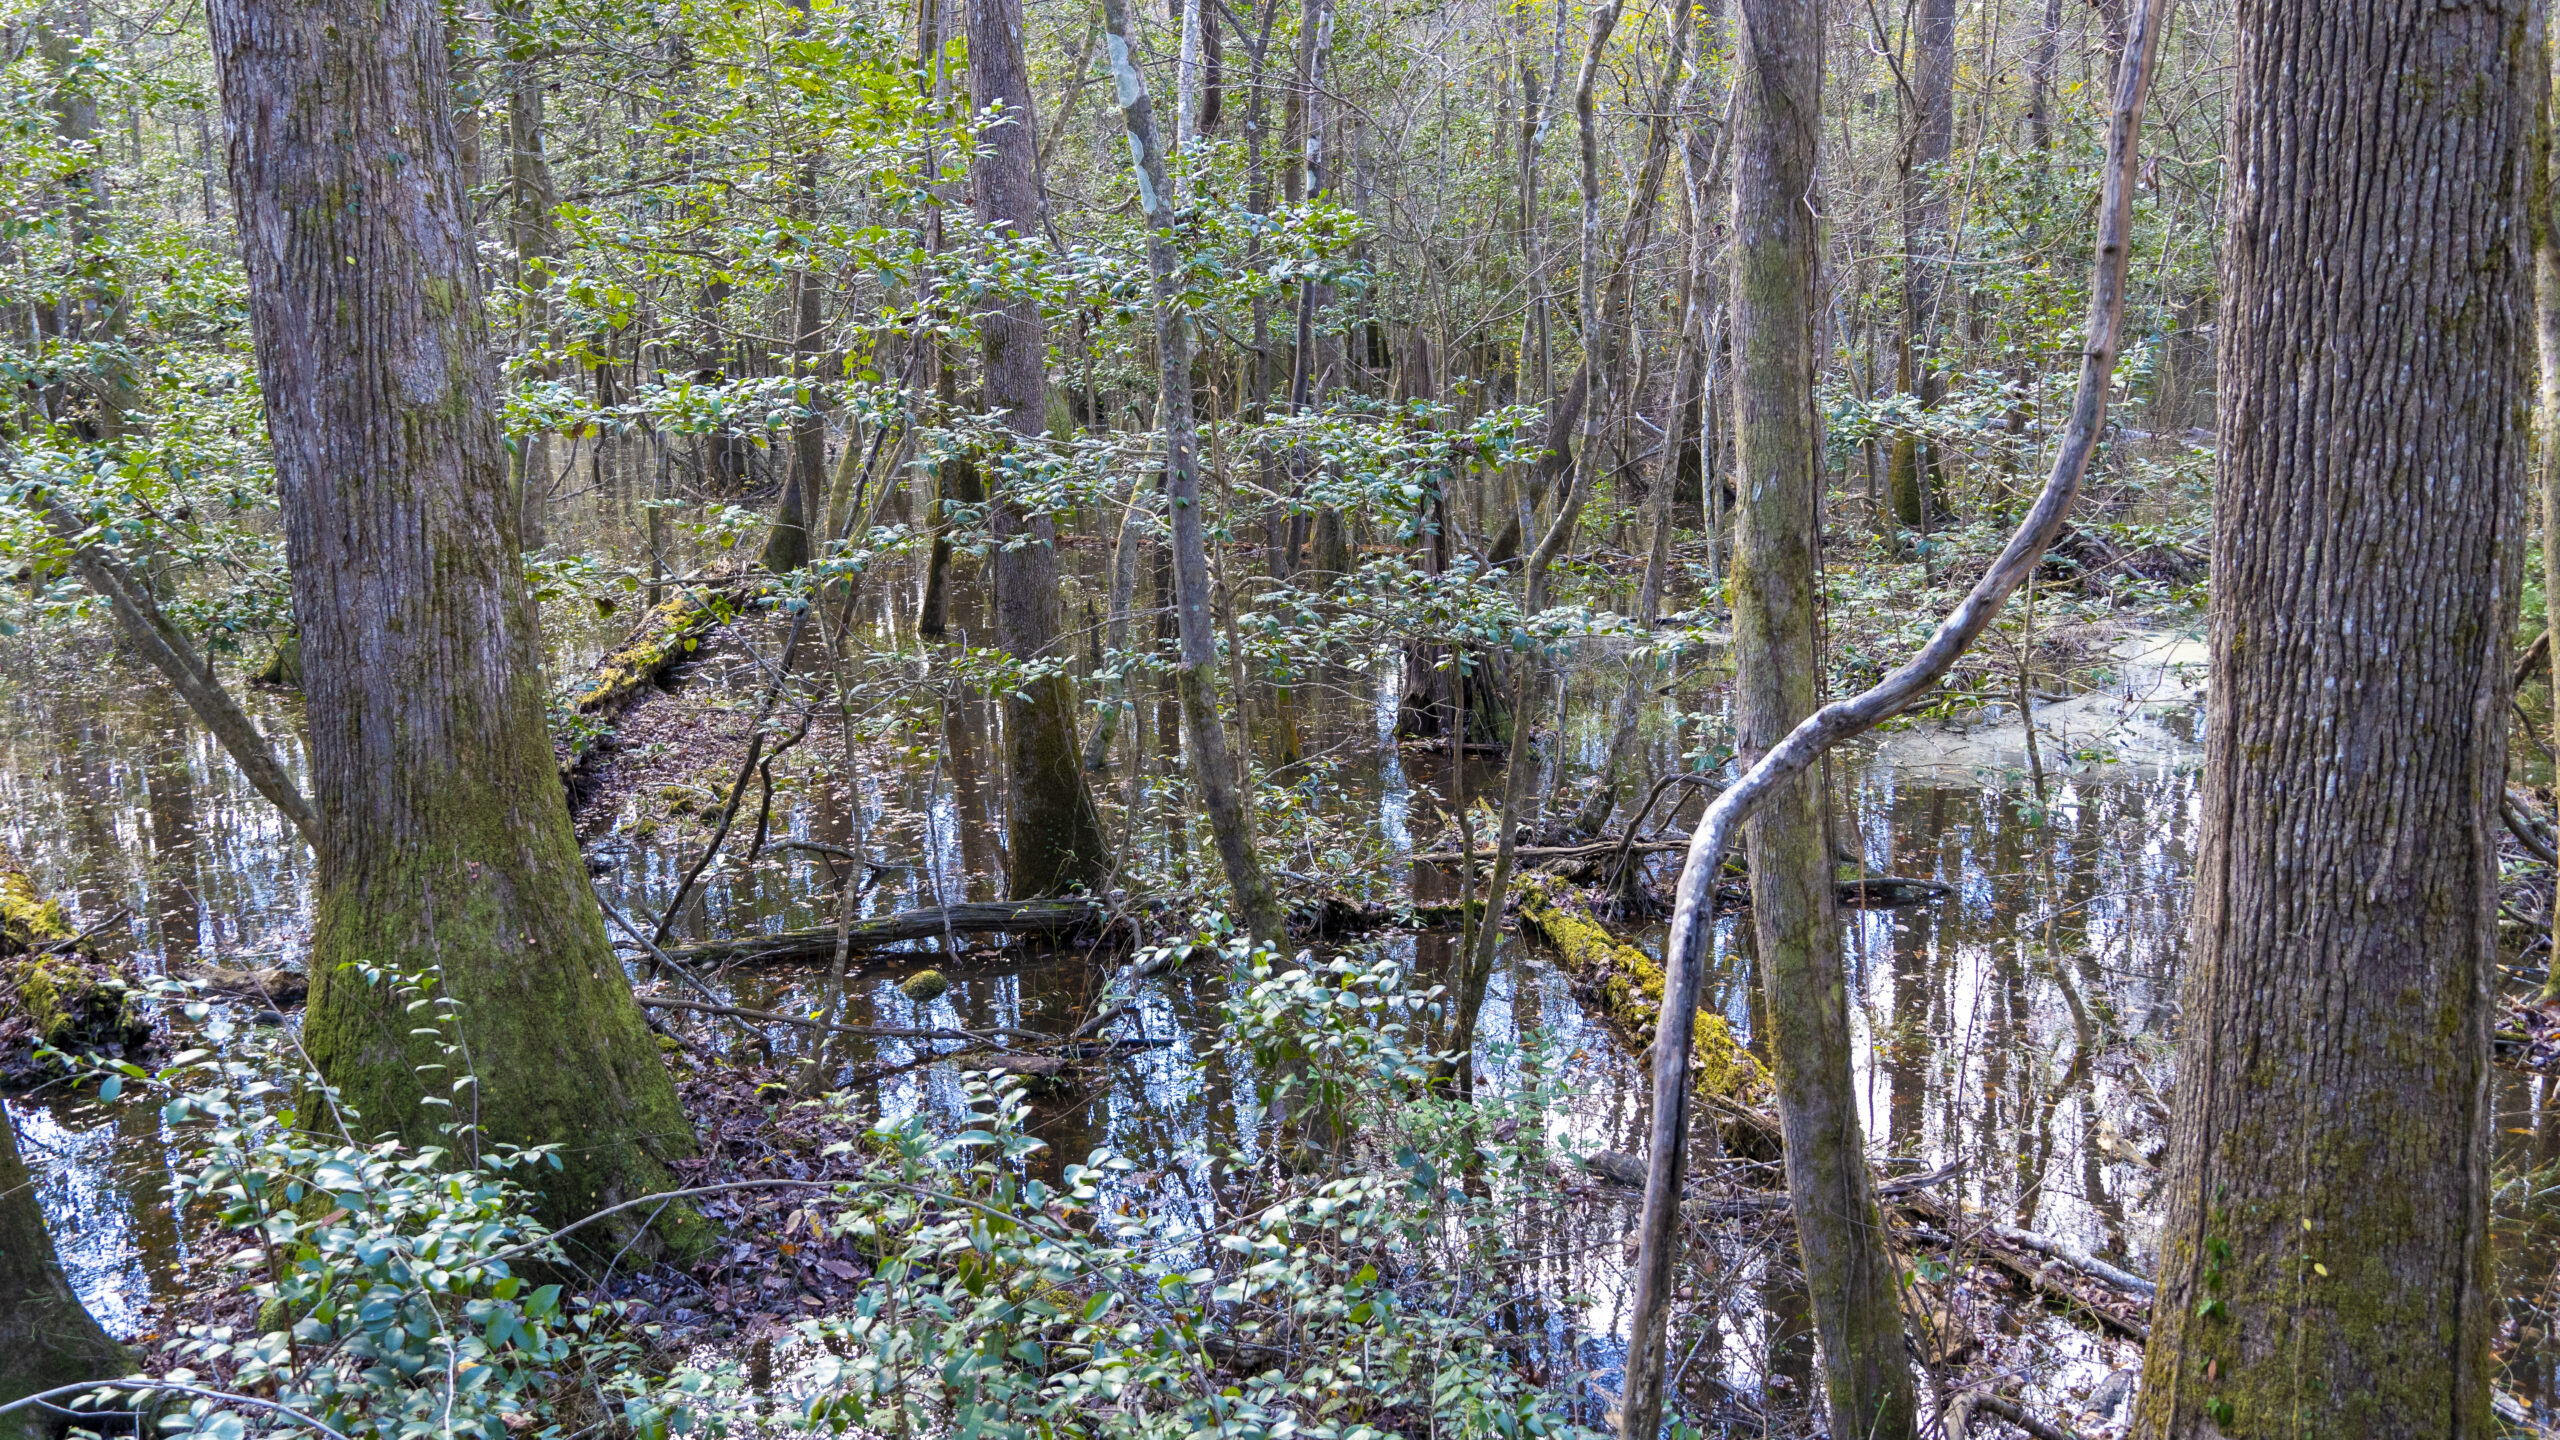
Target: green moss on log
1625, 985
53, 994
27, 919
663, 639
283, 664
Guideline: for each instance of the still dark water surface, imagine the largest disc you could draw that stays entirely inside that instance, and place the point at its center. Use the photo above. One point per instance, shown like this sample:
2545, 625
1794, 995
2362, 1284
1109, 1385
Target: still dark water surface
2023, 1025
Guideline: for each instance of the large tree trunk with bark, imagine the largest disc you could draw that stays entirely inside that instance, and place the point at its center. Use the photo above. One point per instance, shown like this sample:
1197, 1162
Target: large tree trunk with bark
1057, 836
1848, 1268
445, 852
1213, 771
2325, 1260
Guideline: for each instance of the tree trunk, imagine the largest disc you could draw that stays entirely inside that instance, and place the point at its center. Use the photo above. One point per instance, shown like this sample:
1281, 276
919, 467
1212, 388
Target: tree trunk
47, 1338
530, 197
445, 850
1056, 834
1136, 524
1186, 88
1848, 1268
2545, 223
1928, 140
790, 545
2041, 69
954, 479
2324, 1264
1212, 770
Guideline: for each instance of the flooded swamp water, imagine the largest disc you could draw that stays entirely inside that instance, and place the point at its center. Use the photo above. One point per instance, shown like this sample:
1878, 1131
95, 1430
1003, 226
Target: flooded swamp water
2021, 1026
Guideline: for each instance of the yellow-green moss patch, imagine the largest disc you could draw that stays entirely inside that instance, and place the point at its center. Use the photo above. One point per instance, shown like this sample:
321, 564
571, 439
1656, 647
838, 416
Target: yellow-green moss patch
51, 994
1625, 985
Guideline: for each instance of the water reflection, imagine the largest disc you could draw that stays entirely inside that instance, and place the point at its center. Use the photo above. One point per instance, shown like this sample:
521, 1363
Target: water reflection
2023, 1025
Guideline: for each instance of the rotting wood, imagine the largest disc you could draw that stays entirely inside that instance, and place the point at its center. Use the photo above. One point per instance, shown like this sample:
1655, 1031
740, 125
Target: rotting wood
876, 1032
1589, 851
1622, 983
1328, 912
1871, 891
2124, 1314
1737, 1206
2075, 1257
2010, 1412
665, 637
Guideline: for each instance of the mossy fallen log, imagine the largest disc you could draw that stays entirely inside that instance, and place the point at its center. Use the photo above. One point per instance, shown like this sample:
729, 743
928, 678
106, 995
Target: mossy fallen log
54, 991
1622, 983
665, 637
1056, 920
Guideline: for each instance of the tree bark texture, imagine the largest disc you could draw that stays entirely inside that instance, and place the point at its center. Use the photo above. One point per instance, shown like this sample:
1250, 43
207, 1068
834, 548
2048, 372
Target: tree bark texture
444, 847
47, 1338
1056, 834
1848, 1268
2545, 223
2324, 1264
1213, 772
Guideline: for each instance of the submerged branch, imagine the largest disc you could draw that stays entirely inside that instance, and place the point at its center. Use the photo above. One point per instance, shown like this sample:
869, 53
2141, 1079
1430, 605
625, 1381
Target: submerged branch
1050, 918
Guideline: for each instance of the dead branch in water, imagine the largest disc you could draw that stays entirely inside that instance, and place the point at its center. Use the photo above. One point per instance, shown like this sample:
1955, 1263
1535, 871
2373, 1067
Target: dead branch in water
1050, 919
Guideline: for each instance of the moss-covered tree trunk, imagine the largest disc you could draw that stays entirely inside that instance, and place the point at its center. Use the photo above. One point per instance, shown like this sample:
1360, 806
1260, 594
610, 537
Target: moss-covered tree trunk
47, 1338
2324, 1263
1056, 834
444, 846
1848, 1269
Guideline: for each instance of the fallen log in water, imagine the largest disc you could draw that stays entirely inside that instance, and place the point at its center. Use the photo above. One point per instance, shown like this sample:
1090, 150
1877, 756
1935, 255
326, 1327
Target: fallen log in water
872, 1032
662, 640
1591, 850
2095, 1296
1628, 1170
1624, 985
1057, 920
2075, 1257
1584, 864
